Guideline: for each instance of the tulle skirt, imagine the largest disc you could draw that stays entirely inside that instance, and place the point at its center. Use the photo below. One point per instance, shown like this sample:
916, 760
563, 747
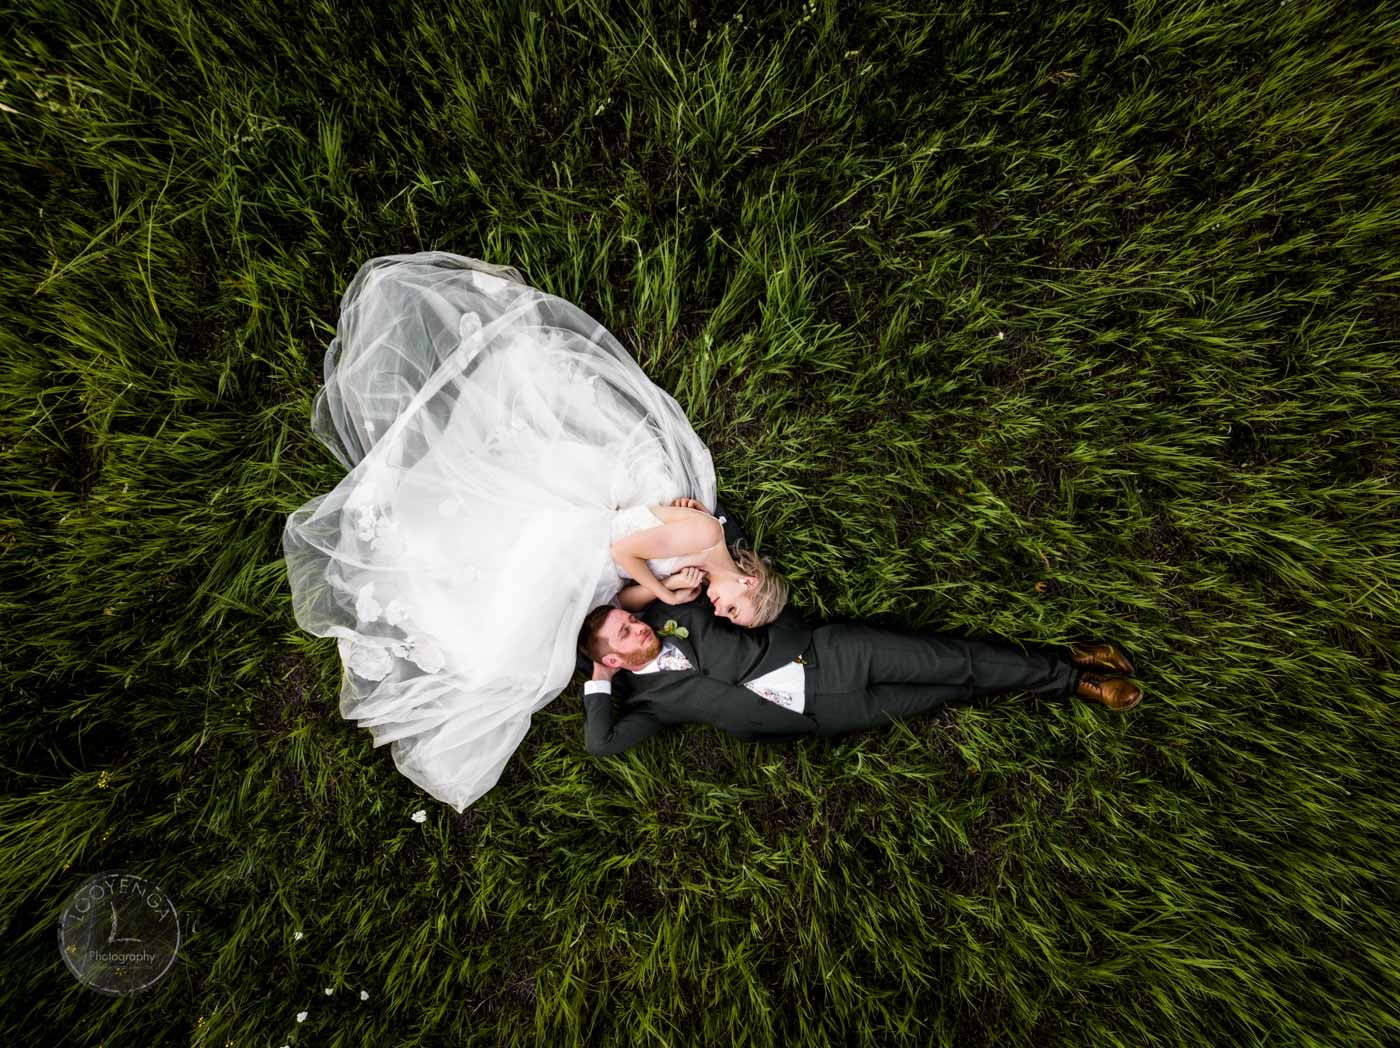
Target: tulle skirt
491, 433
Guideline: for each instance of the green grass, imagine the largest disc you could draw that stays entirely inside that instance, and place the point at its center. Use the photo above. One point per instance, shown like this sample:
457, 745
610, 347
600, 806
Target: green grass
1059, 321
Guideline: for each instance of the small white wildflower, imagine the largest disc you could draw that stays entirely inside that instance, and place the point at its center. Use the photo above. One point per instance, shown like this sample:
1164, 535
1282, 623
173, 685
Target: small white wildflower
301, 1016
419, 816
1001, 334
364, 995
330, 990
296, 935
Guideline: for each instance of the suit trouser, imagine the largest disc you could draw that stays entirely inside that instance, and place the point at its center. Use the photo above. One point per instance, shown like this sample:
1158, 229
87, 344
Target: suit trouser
865, 677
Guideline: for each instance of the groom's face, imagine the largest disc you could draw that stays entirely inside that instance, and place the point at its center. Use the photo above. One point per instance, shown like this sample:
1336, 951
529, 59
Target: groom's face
632, 641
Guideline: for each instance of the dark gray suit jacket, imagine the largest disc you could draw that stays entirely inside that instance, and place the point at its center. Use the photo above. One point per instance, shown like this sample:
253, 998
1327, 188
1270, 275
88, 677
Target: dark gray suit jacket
724, 656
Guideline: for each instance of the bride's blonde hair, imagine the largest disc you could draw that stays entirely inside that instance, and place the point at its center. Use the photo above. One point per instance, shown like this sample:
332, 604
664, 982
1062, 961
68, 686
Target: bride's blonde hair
771, 594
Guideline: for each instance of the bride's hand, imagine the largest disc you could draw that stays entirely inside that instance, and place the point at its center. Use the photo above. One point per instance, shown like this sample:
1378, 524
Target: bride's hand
685, 579
685, 585
690, 504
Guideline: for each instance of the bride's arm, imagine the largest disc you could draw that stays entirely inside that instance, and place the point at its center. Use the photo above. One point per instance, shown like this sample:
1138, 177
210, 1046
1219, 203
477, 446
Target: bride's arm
634, 598
636, 568
678, 538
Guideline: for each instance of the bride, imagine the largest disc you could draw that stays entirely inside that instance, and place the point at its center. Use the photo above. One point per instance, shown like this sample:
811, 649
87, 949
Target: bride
742, 587
510, 467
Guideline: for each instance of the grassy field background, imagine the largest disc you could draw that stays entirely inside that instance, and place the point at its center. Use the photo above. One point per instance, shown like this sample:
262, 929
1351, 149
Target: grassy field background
1050, 321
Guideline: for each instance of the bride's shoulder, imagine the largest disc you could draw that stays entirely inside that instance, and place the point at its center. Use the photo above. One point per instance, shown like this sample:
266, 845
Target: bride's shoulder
684, 530
696, 518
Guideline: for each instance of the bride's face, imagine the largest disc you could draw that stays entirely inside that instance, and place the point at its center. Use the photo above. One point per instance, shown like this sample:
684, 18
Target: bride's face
732, 599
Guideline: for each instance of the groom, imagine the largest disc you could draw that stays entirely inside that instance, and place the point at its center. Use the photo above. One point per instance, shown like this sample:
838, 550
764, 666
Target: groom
788, 680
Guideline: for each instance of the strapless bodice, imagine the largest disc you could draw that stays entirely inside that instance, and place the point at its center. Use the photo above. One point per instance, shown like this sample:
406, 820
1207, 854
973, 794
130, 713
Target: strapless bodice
641, 518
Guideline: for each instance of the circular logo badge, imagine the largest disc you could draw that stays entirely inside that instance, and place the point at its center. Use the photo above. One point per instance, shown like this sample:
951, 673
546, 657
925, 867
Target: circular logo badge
118, 933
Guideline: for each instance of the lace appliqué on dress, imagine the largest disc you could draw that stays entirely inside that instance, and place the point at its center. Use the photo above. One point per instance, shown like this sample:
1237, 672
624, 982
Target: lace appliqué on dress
374, 658
370, 657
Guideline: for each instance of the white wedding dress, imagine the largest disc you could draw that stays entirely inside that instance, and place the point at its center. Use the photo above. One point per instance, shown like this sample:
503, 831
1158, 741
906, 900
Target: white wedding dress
492, 434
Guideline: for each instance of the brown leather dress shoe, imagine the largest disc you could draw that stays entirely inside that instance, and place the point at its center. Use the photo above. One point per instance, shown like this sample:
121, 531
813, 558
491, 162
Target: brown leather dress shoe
1100, 656
1114, 692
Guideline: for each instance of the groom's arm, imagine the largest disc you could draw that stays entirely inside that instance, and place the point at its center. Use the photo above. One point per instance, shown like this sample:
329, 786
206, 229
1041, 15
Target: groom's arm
604, 734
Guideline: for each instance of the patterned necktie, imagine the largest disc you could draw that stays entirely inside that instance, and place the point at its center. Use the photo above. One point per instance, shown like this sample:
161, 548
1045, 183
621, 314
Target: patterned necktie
672, 658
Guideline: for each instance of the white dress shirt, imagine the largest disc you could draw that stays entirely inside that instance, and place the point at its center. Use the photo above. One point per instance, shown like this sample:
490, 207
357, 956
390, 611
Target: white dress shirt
785, 685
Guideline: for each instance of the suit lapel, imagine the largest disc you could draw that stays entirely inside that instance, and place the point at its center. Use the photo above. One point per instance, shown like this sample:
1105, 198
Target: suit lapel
661, 678
784, 645
687, 648
655, 615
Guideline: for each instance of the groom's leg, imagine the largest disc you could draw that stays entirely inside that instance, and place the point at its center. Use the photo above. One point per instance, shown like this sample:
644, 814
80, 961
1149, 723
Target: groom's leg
859, 656
880, 704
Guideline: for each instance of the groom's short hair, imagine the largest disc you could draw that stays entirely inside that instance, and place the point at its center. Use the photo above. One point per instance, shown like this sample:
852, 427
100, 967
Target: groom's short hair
591, 644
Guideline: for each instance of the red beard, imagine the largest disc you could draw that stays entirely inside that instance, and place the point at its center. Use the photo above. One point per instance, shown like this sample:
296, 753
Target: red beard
646, 654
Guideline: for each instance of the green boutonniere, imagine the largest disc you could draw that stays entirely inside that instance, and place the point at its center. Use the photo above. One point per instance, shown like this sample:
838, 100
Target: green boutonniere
671, 629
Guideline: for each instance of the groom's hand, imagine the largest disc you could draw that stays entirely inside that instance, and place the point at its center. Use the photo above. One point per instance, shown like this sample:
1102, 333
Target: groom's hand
601, 672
